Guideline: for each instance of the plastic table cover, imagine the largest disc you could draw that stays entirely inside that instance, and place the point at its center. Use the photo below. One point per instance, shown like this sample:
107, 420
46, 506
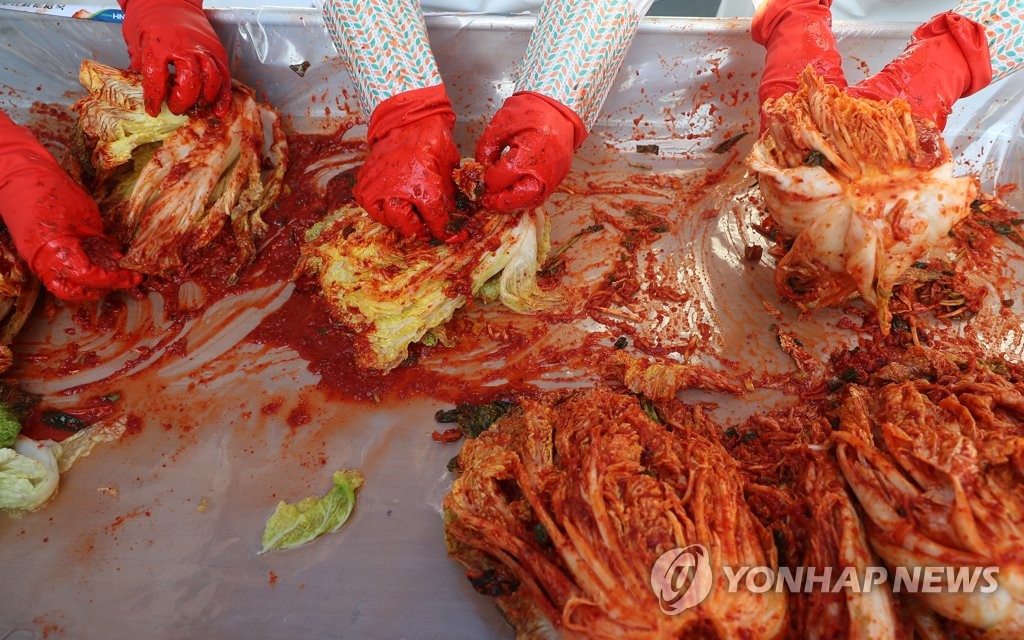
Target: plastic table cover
156, 536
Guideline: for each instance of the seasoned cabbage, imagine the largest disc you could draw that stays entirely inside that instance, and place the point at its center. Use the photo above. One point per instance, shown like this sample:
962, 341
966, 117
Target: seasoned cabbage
937, 463
564, 509
865, 188
293, 525
393, 291
795, 487
18, 293
168, 185
661, 381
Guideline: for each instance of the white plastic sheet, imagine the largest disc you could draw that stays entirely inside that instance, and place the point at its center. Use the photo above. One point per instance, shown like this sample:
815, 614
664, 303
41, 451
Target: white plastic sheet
156, 536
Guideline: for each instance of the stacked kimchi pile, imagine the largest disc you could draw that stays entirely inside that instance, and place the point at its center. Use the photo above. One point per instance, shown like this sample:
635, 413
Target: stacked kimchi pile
563, 507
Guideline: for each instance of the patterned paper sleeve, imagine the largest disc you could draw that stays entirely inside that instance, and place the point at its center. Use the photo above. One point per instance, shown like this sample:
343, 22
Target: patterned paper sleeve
1004, 25
576, 50
384, 45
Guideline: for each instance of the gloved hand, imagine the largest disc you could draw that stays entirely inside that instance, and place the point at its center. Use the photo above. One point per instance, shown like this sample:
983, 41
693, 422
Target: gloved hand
795, 33
406, 182
947, 59
540, 135
55, 225
162, 32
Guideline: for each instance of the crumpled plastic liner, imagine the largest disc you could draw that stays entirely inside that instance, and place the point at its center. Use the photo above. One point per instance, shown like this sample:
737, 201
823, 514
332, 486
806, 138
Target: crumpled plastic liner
157, 536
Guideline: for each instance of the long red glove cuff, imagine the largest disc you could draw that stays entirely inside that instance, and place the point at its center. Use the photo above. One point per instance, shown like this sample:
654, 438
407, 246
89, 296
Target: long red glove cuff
947, 59
579, 129
407, 108
39, 202
155, 12
795, 34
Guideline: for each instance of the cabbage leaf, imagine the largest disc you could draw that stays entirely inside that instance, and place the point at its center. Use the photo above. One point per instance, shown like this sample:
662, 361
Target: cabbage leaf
293, 525
30, 470
10, 427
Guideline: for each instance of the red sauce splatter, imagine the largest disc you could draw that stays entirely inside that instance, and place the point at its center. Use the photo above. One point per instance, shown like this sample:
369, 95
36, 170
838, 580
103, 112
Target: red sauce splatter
47, 627
448, 435
85, 547
33, 427
132, 425
272, 579
51, 123
178, 348
119, 521
299, 416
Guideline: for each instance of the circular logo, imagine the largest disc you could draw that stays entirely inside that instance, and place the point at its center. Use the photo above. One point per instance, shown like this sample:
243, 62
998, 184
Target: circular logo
681, 578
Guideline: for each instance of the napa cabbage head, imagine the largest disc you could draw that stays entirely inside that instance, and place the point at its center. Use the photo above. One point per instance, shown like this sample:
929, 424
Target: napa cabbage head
169, 185
394, 292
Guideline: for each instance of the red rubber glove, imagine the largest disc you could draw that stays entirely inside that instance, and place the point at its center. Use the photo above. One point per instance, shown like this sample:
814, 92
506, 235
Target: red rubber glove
55, 225
947, 59
795, 33
163, 32
540, 135
406, 182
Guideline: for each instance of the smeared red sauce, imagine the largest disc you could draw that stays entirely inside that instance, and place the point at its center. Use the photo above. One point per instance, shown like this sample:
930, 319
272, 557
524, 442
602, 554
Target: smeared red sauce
46, 423
37, 430
120, 520
132, 426
304, 324
51, 123
299, 416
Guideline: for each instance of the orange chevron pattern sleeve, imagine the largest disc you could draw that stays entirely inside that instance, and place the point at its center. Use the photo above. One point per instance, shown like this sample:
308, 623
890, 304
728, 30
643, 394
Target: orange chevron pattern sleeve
1004, 26
576, 50
384, 45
